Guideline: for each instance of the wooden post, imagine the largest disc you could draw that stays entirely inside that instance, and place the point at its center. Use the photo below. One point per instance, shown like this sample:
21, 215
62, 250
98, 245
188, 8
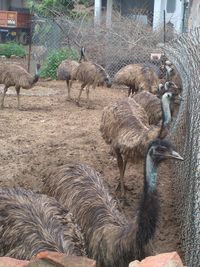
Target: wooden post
109, 13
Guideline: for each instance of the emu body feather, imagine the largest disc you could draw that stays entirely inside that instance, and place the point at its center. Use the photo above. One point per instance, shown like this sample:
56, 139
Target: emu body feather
67, 71
14, 75
151, 104
30, 223
110, 238
90, 74
137, 77
125, 126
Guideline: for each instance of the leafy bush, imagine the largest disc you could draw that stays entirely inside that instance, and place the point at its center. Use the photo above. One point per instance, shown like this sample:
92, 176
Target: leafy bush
10, 49
85, 2
54, 59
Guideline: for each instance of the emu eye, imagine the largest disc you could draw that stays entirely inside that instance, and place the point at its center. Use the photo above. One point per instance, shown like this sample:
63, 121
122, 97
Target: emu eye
161, 149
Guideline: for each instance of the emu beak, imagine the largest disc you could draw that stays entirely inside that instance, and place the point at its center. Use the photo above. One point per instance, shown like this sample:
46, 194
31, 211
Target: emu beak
109, 83
174, 155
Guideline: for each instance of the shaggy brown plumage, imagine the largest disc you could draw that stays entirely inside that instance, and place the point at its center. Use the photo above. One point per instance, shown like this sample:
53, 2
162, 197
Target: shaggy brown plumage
30, 223
151, 104
137, 77
66, 71
15, 75
173, 75
90, 74
125, 126
111, 239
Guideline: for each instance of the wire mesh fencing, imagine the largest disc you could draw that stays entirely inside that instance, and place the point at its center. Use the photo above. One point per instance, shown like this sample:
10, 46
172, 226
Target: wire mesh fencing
130, 41
184, 52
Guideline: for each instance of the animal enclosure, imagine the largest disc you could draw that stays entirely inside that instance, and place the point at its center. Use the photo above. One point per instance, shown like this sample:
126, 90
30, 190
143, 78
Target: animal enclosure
51, 131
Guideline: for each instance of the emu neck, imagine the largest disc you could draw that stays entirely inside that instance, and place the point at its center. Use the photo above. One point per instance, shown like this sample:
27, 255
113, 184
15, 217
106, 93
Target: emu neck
148, 209
166, 112
150, 174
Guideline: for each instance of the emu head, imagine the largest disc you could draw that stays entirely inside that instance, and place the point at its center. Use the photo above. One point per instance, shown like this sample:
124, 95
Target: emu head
169, 86
108, 81
160, 150
82, 57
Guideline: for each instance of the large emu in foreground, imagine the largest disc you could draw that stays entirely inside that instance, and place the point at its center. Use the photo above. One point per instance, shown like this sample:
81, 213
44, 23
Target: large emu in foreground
66, 71
15, 75
111, 239
31, 223
125, 126
90, 74
137, 77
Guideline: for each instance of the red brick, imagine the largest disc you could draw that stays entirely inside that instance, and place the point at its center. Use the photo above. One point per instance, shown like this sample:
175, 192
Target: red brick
48, 258
10, 262
171, 259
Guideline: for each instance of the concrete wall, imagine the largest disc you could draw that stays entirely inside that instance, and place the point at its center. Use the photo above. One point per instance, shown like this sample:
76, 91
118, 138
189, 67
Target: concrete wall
5, 4
176, 17
194, 14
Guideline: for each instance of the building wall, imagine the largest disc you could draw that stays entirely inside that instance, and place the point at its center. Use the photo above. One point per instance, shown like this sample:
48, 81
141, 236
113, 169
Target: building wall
6, 4
176, 17
194, 14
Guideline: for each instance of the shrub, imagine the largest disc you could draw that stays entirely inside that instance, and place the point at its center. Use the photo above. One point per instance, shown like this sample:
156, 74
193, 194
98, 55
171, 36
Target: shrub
10, 49
54, 59
85, 2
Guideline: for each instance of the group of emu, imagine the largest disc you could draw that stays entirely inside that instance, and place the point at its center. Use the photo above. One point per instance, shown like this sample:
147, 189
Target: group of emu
80, 217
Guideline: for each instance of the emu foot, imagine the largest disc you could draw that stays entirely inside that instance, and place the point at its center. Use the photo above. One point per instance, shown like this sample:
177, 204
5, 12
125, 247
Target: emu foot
77, 103
90, 107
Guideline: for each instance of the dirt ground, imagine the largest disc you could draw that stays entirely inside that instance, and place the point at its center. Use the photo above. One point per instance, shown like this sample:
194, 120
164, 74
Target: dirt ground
50, 131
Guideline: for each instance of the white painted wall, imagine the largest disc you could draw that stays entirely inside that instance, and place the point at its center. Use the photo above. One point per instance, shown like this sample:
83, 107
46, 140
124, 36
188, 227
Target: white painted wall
176, 18
194, 16
97, 12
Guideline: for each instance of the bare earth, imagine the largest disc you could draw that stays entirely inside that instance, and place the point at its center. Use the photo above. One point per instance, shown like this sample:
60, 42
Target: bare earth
50, 131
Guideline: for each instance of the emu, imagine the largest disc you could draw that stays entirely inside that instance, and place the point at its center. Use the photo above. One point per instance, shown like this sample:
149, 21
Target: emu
15, 75
125, 126
66, 71
90, 74
31, 223
137, 77
111, 239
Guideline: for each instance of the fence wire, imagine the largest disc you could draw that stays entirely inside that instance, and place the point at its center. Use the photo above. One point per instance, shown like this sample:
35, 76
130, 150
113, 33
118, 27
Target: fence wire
131, 42
128, 41
184, 52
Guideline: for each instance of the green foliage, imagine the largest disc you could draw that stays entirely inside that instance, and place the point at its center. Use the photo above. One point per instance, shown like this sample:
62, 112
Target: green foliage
54, 59
10, 49
85, 2
78, 14
46, 8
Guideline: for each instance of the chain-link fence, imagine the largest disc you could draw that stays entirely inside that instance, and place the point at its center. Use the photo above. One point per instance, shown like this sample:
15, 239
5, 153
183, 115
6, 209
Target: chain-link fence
130, 41
184, 52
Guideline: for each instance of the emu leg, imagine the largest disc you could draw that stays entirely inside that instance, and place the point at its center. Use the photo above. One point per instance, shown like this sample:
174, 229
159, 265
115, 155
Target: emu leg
69, 83
17, 88
80, 92
4, 94
87, 93
122, 167
131, 90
